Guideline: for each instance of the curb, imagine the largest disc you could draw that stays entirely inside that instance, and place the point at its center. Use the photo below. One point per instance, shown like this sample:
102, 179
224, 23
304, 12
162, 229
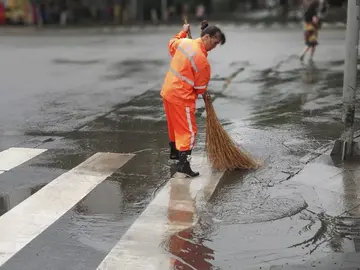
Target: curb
323, 149
153, 28
308, 158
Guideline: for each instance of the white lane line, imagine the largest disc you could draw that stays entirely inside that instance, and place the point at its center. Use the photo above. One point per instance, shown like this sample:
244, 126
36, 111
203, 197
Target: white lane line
15, 156
174, 209
23, 223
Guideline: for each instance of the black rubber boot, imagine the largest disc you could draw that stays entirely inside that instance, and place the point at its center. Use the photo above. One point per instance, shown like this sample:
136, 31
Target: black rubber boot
184, 164
174, 153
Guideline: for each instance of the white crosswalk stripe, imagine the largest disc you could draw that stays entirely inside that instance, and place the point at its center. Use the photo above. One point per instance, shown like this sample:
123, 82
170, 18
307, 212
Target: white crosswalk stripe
27, 220
15, 156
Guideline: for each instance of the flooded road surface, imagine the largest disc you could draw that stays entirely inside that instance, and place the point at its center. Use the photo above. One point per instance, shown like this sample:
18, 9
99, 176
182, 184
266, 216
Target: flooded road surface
84, 171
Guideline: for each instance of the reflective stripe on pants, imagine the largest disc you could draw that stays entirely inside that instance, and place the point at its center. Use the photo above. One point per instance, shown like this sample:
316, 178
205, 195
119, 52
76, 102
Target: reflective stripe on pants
181, 125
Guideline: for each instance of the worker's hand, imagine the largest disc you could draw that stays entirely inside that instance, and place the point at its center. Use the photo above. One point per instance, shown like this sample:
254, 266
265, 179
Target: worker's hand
206, 96
186, 28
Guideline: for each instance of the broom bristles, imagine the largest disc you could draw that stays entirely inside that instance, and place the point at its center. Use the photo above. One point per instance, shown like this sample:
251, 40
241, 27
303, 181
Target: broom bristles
222, 152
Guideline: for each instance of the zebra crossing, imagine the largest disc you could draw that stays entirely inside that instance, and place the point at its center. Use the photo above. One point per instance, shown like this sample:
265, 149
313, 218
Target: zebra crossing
141, 245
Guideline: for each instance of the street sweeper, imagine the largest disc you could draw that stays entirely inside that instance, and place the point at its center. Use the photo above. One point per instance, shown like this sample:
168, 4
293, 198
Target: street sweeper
187, 77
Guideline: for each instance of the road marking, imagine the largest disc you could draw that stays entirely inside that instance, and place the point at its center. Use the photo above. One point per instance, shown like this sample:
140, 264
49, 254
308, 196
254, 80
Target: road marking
15, 156
171, 211
23, 223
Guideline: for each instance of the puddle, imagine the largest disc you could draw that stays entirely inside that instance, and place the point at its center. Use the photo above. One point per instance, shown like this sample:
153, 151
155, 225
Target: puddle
9, 201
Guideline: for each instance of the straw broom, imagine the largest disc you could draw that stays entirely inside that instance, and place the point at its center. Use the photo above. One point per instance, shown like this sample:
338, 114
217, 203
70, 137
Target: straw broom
222, 152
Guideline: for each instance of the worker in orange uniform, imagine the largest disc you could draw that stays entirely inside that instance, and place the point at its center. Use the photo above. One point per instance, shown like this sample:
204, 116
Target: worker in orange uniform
188, 77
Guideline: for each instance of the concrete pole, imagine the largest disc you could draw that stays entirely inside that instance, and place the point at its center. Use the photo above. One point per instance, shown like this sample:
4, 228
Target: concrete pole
349, 87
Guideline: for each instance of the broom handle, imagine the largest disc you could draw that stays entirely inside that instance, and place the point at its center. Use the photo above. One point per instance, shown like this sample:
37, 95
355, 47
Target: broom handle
206, 96
186, 22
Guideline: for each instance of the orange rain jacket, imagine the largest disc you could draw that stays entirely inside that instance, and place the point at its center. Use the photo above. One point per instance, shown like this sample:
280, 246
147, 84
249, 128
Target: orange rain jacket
189, 72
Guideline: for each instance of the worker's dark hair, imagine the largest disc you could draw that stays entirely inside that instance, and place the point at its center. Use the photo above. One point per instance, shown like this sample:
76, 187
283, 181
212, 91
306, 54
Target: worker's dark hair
211, 30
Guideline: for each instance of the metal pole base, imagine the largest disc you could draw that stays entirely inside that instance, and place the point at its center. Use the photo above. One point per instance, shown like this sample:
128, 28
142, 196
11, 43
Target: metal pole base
340, 150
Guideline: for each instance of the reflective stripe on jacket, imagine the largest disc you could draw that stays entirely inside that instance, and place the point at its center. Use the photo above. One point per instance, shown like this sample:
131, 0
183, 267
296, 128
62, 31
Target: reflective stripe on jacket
189, 72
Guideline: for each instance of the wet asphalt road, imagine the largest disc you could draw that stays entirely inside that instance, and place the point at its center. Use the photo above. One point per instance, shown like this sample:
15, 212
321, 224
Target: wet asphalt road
77, 96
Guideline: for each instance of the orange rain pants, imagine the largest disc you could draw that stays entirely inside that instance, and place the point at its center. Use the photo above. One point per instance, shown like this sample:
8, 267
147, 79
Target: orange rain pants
182, 127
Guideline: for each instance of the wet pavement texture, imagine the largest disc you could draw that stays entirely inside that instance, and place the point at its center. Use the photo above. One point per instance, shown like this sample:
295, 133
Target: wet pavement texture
77, 96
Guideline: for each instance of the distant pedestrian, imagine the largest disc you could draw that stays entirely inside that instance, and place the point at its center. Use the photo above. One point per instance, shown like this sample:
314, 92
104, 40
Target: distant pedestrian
271, 6
200, 12
2, 13
311, 28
